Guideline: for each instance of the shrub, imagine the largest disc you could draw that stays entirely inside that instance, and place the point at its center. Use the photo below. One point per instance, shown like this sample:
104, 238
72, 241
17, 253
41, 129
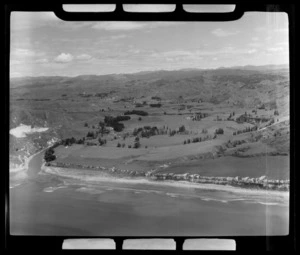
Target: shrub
49, 155
195, 140
155, 105
136, 112
129, 146
219, 131
101, 141
182, 129
118, 145
172, 132
137, 145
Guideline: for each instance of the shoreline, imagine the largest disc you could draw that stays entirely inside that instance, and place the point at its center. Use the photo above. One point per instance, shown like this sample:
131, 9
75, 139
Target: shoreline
25, 165
186, 183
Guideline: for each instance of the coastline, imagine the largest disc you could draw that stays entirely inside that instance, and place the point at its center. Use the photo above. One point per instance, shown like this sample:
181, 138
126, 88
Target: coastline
97, 176
19, 174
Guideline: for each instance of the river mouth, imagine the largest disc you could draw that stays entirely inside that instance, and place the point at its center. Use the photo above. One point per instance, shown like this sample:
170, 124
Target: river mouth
49, 204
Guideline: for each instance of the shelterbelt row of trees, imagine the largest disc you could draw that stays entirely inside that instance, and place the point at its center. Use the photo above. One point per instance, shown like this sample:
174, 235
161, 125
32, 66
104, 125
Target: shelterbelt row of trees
49, 153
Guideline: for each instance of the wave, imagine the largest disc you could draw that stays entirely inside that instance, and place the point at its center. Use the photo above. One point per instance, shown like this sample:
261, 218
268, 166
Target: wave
51, 189
90, 190
11, 186
232, 193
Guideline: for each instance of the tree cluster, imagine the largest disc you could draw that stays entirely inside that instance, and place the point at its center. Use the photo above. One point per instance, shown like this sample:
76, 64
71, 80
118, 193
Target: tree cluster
246, 130
198, 139
49, 155
231, 144
114, 123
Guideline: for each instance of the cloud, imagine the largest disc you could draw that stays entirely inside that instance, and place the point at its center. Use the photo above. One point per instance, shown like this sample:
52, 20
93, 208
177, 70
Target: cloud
222, 33
275, 49
19, 52
42, 60
64, 58
251, 51
21, 55
83, 57
116, 37
255, 44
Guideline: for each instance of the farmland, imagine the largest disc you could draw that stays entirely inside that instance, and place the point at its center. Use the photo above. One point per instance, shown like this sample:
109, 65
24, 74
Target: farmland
180, 119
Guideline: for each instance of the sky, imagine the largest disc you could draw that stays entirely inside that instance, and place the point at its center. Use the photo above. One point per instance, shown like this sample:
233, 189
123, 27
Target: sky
43, 45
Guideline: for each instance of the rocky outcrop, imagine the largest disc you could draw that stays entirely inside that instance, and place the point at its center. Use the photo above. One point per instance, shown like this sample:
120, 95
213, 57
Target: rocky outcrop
246, 182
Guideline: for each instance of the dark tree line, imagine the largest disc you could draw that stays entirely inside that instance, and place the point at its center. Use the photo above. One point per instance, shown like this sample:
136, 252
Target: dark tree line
114, 123
198, 139
155, 105
246, 130
136, 112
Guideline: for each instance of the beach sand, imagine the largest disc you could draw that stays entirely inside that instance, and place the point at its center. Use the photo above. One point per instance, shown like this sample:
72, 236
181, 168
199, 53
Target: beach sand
48, 204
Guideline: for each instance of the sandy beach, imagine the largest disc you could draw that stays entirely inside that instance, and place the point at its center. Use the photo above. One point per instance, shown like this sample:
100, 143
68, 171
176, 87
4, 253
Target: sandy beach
50, 204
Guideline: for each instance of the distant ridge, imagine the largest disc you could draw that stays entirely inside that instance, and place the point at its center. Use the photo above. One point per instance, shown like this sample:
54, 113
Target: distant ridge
119, 75
262, 68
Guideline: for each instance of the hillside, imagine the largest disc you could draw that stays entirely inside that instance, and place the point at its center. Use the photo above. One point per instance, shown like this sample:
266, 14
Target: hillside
64, 104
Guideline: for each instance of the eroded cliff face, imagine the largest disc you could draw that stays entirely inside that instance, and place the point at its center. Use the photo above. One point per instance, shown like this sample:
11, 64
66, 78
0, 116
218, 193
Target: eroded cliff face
23, 147
259, 183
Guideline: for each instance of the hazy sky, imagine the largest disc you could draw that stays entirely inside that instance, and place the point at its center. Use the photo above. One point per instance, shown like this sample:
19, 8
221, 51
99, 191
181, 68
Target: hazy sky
42, 44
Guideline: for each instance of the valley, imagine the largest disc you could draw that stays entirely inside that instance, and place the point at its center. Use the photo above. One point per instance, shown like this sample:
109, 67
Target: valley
176, 119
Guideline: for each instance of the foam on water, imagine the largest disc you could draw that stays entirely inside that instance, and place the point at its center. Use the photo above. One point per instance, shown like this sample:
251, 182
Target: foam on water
90, 190
213, 192
51, 189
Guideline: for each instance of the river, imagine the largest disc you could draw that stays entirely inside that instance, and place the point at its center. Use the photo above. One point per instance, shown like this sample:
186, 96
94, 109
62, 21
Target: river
43, 203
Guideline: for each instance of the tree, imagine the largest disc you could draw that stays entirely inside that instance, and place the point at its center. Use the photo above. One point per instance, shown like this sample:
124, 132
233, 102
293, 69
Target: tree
140, 118
118, 145
101, 141
86, 125
182, 129
219, 131
137, 145
49, 155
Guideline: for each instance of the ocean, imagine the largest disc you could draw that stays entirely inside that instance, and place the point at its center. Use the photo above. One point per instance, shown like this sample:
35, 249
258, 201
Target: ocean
87, 203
